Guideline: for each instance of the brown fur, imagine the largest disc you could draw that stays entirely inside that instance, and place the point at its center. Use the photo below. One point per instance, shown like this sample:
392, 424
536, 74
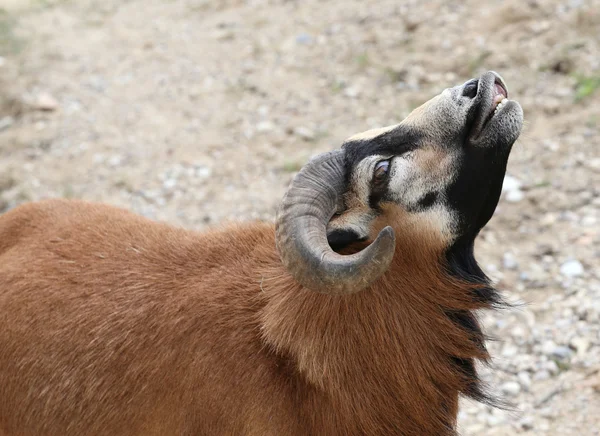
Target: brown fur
111, 324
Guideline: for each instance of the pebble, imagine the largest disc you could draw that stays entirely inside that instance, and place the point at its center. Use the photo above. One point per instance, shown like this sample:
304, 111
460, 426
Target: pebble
524, 379
511, 187
509, 261
6, 122
527, 423
572, 268
510, 350
515, 196
265, 126
511, 388
304, 133
511, 184
45, 102
552, 367
541, 375
352, 92
580, 344
304, 39
562, 352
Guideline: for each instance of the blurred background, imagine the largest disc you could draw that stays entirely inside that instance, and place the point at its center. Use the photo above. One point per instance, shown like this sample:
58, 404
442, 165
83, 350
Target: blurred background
201, 111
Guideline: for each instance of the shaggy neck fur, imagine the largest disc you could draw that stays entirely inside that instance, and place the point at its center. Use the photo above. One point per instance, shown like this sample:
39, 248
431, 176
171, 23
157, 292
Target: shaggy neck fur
397, 354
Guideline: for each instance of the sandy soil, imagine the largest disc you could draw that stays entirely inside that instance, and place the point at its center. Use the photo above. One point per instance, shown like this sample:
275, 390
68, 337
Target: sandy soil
199, 111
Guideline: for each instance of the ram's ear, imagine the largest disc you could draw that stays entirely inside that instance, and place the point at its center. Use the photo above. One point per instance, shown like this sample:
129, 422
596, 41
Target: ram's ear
349, 227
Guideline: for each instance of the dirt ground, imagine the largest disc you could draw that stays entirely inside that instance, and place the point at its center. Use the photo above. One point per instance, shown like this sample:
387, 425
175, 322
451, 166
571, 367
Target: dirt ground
200, 111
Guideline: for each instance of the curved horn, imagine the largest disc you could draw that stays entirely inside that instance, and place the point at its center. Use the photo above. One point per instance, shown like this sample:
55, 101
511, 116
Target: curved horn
301, 232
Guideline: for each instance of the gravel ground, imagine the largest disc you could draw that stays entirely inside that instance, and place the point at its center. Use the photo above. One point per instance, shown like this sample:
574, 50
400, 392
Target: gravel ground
198, 111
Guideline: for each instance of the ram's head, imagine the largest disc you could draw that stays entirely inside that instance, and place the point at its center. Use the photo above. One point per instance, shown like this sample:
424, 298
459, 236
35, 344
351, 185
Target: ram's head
439, 173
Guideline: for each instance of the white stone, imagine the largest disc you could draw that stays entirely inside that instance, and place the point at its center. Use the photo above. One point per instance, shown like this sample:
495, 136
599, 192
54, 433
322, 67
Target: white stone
509, 350
580, 344
46, 102
552, 367
527, 423
265, 126
169, 183
511, 388
203, 172
572, 268
514, 196
509, 261
524, 379
511, 184
304, 133
495, 420
6, 122
541, 375
352, 92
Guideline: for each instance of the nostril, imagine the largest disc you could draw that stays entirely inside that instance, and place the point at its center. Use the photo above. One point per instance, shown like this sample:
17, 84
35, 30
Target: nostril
470, 88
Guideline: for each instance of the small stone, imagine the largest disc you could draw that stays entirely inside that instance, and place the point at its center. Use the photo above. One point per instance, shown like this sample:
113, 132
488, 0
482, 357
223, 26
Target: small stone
511, 187
524, 379
475, 429
46, 102
547, 412
541, 375
511, 388
509, 261
514, 196
265, 126
572, 268
511, 184
589, 221
594, 163
509, 350
580, 344
6, 122
548, 347
203, 172
527, 423
552, 367
494, 420
169, 183
352, 92
305, 133
115, 161
304, 39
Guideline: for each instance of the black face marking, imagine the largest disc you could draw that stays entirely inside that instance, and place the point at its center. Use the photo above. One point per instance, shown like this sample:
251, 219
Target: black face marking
340, 238
393, 143
475, 192
428, 200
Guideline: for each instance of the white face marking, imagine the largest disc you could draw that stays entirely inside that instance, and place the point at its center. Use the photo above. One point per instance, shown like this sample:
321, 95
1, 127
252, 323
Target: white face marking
418, 173
413, 175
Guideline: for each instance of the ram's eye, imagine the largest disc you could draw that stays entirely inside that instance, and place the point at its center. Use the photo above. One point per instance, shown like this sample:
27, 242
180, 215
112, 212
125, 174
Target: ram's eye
381, 171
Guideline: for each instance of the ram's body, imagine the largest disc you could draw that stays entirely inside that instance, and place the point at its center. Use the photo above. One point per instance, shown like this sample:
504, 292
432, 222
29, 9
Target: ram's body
111, 324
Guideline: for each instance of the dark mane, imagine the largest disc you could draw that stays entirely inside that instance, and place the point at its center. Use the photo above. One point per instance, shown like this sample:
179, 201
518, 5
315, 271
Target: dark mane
461, 263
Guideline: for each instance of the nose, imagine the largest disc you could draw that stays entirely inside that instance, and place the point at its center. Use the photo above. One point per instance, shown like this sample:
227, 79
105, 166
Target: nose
469, 89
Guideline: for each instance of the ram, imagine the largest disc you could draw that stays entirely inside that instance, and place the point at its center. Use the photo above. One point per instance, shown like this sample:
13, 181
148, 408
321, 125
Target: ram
352, 315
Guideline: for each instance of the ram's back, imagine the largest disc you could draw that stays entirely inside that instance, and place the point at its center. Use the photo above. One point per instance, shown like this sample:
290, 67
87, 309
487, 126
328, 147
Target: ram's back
114, 324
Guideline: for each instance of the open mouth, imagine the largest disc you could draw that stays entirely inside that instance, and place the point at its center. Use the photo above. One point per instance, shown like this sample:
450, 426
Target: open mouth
500, 98
493, 98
